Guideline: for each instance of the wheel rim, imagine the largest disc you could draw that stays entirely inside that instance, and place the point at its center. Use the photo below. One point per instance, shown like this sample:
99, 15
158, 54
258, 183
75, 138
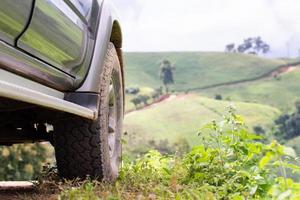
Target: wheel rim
112, 117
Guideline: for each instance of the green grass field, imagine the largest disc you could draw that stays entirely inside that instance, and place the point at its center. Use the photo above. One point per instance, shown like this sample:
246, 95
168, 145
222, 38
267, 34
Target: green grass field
196, 69
182, 117
264, 99
281, 92
295, 144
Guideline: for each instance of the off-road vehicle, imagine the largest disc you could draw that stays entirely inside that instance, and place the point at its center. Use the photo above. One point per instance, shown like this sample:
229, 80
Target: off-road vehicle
61, 80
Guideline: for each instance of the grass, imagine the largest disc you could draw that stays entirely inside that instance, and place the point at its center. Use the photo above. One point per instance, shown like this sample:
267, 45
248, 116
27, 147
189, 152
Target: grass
183, 116
281, 92
294, 143
196, 69
232, 164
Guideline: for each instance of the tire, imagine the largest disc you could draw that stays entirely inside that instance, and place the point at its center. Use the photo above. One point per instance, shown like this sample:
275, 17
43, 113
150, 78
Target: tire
93, 148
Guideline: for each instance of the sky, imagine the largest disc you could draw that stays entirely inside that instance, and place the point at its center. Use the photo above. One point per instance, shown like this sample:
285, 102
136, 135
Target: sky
208, 25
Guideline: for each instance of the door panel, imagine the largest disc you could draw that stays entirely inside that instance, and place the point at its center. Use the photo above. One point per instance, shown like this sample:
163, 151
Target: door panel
56, 35
14, 15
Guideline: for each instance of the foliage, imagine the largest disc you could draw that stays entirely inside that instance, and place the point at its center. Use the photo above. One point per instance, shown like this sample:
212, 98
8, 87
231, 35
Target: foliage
251, 45
259, 130
144, 99
132, 90
179, 146
230, 164
234, 165
86, 191
218, 97
22, 162
138, 100
288, 125
133, 101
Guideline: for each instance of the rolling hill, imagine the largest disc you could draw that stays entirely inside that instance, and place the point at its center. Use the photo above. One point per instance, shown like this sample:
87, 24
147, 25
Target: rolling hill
182, 116
280, 92
196, 69
260, 101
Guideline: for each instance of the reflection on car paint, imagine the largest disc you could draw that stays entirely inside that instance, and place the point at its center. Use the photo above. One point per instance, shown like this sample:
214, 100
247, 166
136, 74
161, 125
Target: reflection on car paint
55, 35
13, 18
15, 61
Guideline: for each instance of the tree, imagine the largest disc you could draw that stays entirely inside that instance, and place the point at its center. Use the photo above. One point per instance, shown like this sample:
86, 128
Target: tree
136, 101
144, 99
288, 124
230, 48
251, 45
23, 161
218, 97
166, 74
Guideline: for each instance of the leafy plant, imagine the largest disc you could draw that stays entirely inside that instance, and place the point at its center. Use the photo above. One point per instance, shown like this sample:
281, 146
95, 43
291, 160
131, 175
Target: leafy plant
23, 162
231, 163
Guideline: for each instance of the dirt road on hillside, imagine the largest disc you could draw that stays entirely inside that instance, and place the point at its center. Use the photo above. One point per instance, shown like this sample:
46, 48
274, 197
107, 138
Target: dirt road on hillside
168, 98
163, 100
280, 70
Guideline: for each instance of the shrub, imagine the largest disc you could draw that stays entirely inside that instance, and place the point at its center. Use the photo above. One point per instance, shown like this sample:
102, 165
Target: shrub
218, 97
259, 130
132, 90
136, 101
22, 162
288, 126
230, 164
144, 99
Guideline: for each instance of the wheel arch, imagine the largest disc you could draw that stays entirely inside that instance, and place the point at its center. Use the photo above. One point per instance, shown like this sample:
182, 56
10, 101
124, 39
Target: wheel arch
116, 34
117, 39
109, 31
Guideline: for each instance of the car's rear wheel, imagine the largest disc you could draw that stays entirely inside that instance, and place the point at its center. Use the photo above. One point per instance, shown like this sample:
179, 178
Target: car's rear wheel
93, 148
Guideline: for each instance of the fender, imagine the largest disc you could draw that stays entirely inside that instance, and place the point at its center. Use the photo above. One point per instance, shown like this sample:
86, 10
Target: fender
108, 19
87, 95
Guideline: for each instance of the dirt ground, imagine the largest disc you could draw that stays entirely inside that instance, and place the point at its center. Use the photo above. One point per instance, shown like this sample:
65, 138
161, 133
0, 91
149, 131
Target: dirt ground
22, 190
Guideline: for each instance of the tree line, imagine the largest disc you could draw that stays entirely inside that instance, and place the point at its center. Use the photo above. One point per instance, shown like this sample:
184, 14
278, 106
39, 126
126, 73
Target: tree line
251, 45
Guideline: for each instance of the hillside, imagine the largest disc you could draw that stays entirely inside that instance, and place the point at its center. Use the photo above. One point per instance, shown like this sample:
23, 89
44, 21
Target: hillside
281, 92
196, 69
295, 144
182, 116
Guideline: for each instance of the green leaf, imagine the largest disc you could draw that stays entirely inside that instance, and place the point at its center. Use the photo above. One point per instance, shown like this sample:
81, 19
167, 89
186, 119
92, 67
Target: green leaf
265, 160
253, 190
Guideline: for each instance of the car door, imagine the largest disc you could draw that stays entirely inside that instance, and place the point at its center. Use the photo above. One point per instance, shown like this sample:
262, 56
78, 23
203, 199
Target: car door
58, 34
14, 15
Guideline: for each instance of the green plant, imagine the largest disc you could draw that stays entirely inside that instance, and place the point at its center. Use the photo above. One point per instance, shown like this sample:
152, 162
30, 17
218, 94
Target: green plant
231, 163
85, 192
23, 162
235, 165
218, 97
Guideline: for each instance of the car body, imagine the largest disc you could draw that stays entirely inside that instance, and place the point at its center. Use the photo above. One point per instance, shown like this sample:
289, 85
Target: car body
51, 55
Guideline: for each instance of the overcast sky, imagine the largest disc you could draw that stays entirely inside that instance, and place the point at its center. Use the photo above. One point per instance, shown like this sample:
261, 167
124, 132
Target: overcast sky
208, 25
